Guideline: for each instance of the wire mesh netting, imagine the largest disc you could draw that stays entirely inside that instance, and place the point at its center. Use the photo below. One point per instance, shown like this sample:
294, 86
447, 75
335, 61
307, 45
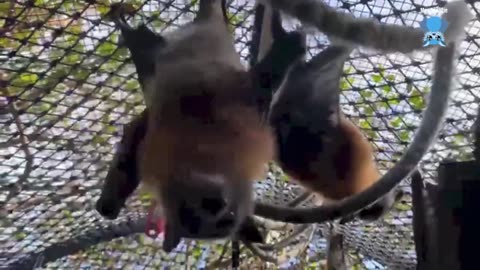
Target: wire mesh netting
66, 90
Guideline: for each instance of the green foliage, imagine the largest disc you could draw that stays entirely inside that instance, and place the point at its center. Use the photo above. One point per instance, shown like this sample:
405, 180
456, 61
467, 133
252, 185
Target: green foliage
106, 48
193, 3
197, 252
132, 85
80, 73
40, 108
396, 122
404, 135
99, 140
313, 266
390, 78
4, 8
416, 99
403, 207
366, 93
68, 214
25, 79
376, 78
20, 236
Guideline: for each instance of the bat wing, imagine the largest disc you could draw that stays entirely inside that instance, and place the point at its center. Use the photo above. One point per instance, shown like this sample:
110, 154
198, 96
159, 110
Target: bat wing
142, 42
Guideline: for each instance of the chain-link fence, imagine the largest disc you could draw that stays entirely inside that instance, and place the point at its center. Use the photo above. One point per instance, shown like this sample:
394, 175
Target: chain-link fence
66, 89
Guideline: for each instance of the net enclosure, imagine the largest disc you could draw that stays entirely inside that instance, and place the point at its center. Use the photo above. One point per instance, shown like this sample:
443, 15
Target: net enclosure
67, 89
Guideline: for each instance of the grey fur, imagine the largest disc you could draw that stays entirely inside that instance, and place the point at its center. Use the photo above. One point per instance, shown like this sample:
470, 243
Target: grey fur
197, 51
365, 32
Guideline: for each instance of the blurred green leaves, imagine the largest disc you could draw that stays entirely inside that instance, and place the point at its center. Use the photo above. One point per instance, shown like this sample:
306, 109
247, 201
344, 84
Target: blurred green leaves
416, 99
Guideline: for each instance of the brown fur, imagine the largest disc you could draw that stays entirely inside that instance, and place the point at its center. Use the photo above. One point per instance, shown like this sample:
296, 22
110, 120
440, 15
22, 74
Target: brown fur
348, 170
208, 125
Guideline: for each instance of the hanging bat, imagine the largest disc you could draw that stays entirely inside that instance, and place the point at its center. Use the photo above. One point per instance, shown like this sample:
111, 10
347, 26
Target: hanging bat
122, 178
307, 120
217, 110
380, 36
317, 145
203, 125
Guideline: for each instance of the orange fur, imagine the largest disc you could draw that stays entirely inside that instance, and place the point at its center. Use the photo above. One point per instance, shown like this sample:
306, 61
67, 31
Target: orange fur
347, 169
207, 125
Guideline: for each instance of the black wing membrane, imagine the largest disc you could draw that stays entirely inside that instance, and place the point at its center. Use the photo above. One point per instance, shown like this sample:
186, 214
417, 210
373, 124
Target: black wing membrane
141, 42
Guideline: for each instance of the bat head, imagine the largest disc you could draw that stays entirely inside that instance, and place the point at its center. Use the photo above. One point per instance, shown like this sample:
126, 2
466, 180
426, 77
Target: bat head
191, 210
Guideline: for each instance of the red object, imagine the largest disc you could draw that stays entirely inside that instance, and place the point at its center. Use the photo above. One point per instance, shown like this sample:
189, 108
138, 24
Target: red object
154, 226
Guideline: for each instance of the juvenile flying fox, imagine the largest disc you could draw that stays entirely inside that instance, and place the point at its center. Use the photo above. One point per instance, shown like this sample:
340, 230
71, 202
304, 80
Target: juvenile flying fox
203, 122
123, 177
317, 145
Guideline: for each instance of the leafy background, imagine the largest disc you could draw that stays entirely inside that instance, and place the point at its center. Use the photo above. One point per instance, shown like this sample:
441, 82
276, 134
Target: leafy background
66, 89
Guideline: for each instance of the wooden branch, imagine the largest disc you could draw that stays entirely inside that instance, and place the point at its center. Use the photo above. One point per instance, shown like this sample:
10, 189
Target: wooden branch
21, 182
279, 225
457, 222
311, 234
235, 253
419, 221
476, 137
431, 192
336, 251
30, 137
286, 241
263, 255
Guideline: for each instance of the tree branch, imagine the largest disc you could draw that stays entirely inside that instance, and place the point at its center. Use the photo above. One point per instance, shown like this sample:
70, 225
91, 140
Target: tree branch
419, 220
19, 185
263, 255
476, 136
335, 251
30, 137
